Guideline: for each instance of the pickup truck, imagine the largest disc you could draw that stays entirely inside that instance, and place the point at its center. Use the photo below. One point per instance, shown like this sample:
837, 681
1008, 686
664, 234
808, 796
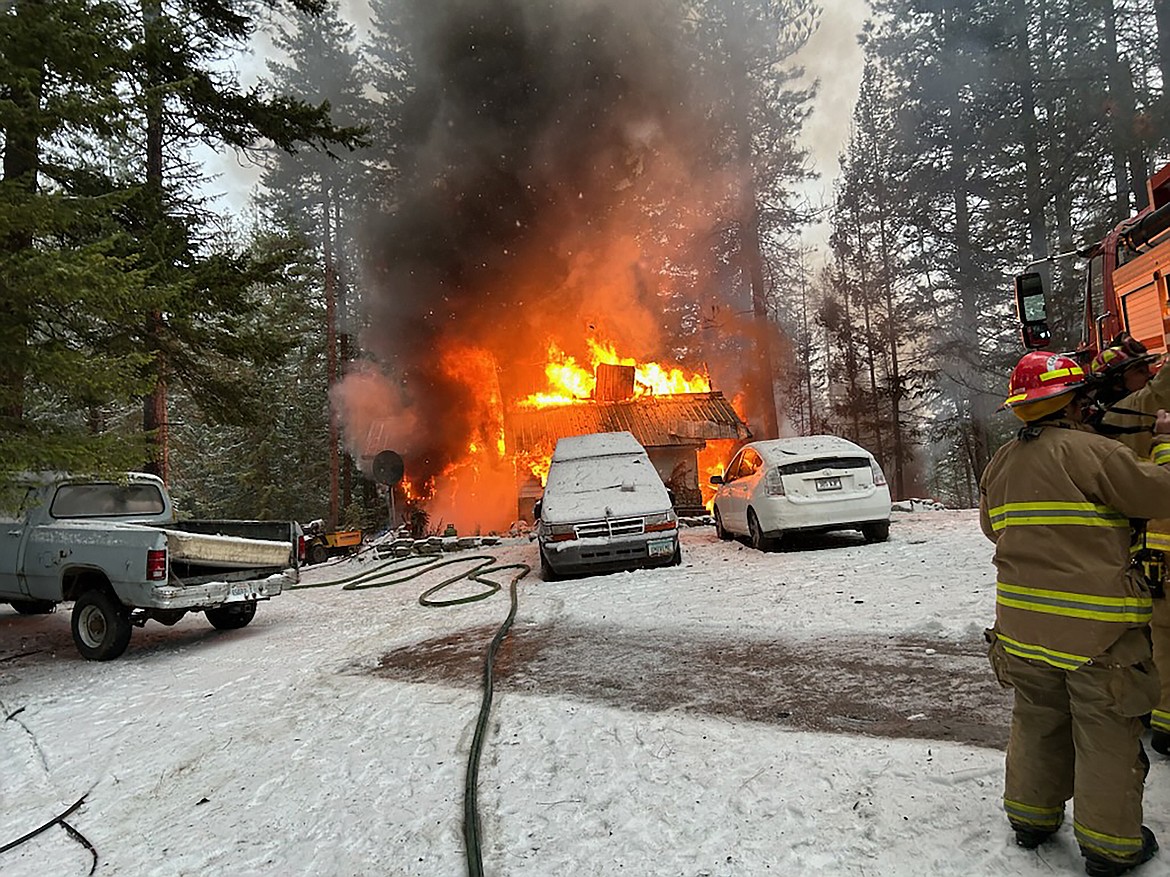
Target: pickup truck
115, 549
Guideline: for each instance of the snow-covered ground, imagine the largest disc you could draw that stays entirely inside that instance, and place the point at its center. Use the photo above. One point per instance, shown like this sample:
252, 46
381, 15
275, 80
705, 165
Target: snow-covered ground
823, 710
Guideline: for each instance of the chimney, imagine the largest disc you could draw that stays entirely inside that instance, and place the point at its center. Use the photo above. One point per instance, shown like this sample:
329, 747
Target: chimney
614, 382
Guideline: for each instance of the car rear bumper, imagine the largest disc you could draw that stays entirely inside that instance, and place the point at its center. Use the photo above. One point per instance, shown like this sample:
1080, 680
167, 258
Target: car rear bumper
584, 556
783, 514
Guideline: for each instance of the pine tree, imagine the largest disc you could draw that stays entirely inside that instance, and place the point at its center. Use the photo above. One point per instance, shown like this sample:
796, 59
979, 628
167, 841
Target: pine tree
66, 276
183, 96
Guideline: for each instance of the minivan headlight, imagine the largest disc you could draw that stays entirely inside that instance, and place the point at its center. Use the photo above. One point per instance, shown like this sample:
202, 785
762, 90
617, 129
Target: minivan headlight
879, 477
662, 521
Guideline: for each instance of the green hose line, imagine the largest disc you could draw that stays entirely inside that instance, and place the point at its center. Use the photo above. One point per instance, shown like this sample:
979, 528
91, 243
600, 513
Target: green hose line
398, 571
470, 806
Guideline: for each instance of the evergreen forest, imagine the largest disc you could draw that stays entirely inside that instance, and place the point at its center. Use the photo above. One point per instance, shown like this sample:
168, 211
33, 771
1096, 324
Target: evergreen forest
460, 176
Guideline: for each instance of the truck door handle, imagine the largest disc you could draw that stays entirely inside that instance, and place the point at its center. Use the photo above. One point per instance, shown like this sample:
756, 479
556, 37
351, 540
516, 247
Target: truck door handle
13, 532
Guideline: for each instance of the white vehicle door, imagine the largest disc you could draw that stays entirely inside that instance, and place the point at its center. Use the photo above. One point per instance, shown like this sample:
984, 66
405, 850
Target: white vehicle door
751, 470
734, 504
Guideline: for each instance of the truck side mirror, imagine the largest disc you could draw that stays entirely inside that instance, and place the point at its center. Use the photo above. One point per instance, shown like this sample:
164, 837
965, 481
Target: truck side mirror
1032, 311
536, 507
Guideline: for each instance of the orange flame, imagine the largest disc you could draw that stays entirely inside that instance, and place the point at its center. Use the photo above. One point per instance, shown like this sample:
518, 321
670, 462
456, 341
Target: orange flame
569, 382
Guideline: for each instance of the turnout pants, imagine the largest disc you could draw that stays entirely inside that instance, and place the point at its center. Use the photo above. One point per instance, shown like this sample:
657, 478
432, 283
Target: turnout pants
1077, 734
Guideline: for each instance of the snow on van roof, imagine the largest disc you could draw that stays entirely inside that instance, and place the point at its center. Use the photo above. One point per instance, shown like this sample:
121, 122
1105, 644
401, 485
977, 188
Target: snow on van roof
596, 444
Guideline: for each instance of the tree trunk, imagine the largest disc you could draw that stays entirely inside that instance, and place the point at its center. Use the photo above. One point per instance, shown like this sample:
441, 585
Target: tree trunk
330, 354
21, 164
154, 405
1129, 164
749, 218
968, 353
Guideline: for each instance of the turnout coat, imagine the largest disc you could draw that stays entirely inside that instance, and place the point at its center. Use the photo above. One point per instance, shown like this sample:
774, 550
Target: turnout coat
1059, 506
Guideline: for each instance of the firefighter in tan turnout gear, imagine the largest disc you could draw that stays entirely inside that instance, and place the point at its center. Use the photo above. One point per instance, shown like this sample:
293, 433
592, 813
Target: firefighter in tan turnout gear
1131, 396
1071, 633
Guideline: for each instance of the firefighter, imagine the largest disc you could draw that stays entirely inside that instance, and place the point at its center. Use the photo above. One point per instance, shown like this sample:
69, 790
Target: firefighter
1128, 398
1071, 633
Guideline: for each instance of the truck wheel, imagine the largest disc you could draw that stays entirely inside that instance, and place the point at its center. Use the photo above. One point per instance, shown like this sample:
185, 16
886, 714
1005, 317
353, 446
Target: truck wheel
232, 616
101, 625
318, 553
34, 607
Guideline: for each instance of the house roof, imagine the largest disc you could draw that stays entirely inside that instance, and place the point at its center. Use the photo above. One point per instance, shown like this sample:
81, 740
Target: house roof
677, 420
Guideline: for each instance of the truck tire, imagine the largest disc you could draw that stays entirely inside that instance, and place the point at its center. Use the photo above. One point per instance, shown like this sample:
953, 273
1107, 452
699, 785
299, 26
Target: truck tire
101, 625
34, 607
232, 616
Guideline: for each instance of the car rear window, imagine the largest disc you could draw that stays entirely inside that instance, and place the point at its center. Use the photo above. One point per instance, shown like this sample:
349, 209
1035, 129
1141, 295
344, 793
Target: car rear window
106, 500
824, 463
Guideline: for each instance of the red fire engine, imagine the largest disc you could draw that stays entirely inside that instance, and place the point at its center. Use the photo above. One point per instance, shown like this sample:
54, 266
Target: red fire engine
1125, 285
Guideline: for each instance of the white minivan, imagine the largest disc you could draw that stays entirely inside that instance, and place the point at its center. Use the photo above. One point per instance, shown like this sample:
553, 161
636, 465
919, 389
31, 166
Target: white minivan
604, 508
809, 483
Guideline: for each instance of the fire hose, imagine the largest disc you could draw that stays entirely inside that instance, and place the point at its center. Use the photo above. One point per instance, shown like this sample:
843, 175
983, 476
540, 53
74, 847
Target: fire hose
395, 572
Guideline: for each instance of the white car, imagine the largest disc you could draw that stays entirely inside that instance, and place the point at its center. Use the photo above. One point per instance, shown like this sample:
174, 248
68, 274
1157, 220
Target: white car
812, 483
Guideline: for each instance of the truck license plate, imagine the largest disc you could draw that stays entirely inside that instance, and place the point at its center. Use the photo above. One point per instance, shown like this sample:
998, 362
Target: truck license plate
245, 591
661, 548
828, 484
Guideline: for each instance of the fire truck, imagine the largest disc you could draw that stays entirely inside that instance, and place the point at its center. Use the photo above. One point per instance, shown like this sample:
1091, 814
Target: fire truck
1125, 288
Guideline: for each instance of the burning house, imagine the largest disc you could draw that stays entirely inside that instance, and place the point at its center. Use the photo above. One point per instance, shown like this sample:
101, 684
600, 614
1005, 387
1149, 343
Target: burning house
687, 428
673, 427
556, 192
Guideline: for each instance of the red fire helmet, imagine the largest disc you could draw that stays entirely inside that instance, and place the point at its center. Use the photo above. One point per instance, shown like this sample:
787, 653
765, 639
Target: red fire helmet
1116, 359
1041, 375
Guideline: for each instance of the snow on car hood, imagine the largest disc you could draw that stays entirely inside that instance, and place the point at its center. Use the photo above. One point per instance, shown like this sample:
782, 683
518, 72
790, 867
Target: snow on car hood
602, 487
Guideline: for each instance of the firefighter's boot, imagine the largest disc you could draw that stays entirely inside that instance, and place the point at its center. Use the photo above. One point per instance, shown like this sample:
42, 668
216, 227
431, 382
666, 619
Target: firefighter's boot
1030, 838
1099, 866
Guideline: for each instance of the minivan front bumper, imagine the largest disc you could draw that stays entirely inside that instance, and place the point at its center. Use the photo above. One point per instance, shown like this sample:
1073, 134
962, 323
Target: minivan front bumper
610, 554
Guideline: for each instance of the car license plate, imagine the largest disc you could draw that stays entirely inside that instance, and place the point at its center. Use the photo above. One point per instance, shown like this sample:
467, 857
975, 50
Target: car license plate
661, 548
828, 484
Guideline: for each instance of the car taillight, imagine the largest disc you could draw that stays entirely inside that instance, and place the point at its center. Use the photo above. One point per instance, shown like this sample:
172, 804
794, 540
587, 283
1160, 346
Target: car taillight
663, 521
774, 483
156, 565
879, 477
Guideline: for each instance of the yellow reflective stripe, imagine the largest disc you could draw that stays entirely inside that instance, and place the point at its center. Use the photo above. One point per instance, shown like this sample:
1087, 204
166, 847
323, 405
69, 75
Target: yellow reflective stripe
1016, 398
1160, 720
1030, 815
1161, 453
1033, 652
1109, 844
1082, 514
1090, 607
1158, 541
1061, 373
